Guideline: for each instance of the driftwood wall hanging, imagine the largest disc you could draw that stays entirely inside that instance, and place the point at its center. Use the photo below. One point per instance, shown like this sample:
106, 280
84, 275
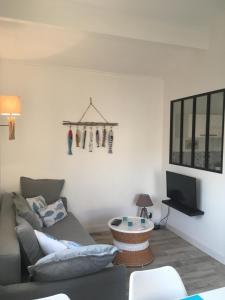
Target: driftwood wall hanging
90, 138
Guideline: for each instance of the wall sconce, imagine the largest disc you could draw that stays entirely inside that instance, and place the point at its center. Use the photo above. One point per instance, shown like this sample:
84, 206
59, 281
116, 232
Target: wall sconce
10, 106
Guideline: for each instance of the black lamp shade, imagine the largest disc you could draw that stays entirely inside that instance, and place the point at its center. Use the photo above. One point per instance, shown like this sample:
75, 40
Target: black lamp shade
144, 200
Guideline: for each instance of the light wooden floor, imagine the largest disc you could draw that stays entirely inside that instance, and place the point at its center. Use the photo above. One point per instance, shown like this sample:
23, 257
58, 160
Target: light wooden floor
199, 271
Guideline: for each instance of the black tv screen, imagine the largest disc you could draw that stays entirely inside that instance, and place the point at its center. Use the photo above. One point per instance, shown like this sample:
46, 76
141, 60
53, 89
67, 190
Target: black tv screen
181, 189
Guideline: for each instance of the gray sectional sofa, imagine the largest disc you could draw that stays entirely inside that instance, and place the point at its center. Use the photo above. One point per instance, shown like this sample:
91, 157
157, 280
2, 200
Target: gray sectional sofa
110, 283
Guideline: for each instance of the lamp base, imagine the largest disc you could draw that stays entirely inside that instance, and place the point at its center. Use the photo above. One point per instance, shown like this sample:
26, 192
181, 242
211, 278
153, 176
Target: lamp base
11, 124
144, 213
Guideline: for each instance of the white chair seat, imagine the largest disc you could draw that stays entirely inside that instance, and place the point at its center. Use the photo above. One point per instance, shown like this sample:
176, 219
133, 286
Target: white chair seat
157, 284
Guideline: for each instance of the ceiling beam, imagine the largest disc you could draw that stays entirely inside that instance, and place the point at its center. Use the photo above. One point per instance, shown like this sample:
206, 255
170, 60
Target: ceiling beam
71, 15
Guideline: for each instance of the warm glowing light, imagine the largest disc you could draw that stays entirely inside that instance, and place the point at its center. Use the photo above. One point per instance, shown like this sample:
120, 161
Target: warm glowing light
10, 105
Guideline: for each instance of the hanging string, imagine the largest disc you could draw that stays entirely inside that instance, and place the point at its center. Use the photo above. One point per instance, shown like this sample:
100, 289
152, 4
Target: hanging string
99, 112
95, 108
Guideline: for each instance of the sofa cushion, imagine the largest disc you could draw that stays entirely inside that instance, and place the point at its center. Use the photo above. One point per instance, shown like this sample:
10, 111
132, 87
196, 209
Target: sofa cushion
50, 189
71, 263
70, 229
52, 213
109, 284
24, 210
28, 241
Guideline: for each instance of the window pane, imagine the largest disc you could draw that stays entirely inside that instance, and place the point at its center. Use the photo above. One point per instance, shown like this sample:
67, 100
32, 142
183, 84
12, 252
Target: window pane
187, 132
200, 132
215, 132
176, 106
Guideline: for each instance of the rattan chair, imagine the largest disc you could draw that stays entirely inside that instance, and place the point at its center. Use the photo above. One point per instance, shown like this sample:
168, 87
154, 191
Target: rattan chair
157, 284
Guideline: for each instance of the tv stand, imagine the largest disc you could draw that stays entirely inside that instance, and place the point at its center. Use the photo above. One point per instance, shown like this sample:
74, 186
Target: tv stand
184, 209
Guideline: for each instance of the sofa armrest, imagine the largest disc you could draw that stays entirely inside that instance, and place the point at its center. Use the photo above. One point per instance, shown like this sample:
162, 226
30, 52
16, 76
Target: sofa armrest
10, 261
108, 284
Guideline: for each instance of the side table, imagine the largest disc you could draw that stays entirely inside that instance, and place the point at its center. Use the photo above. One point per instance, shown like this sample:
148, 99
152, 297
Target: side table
132, 241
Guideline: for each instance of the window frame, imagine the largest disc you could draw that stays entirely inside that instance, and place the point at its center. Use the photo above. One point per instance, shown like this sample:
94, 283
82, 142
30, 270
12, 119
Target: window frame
193, 138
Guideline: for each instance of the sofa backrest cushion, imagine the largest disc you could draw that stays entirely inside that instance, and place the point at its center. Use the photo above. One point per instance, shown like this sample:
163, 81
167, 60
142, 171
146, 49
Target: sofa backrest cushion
10, 261
24, 210
50, 189
28, 241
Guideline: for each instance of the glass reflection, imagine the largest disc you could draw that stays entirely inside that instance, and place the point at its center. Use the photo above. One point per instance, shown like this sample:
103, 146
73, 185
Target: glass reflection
200, 132
187, 132
215, 132
176, 132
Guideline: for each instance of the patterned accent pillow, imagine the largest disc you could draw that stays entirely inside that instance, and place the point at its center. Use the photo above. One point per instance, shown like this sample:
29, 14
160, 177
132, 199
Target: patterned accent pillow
52, 213
35, 204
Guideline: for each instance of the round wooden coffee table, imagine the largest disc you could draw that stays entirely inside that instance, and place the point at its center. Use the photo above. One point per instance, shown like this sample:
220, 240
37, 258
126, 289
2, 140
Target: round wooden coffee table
132, 241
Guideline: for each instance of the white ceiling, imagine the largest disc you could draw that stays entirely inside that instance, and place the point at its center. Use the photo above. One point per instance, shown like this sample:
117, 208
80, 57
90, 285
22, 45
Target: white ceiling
147, 37
191, 12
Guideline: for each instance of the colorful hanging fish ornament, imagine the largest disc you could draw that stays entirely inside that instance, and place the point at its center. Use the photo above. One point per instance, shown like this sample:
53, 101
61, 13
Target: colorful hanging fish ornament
84, 138
78, 137
97, 135
104, 133
110, 140
70, 141
91, 140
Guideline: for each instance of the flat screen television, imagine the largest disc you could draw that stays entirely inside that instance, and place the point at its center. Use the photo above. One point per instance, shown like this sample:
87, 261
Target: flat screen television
181, 189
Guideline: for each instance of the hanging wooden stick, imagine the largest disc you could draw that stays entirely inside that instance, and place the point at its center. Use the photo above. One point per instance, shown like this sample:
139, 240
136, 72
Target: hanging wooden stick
104, 133
91, 140
70, 141
97, 134
78, 136
110, 140
84, 138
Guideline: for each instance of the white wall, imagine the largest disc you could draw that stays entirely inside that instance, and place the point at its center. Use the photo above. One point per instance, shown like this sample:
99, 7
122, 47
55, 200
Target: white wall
204, 73
98, 185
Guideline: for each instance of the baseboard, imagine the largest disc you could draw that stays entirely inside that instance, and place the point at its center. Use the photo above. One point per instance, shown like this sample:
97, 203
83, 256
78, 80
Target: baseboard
197, 244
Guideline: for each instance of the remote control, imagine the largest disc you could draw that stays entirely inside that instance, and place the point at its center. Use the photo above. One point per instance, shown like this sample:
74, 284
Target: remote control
116, 222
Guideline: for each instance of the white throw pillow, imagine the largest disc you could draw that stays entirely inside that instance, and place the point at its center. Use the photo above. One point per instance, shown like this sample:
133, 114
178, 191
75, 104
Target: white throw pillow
50, 245
35, 204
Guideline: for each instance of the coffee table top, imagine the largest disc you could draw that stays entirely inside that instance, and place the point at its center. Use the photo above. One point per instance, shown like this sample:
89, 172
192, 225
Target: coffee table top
137, 226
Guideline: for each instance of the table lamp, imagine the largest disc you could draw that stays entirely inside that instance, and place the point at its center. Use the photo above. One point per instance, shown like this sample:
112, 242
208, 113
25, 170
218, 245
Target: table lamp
144, 201
10, 106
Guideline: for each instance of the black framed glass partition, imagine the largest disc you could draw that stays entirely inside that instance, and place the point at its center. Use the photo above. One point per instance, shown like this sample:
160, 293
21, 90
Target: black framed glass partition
197, 131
